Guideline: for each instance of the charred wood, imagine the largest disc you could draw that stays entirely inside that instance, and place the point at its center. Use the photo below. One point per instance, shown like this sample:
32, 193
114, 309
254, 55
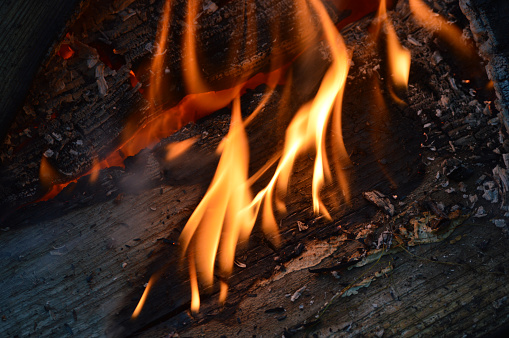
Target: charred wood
80, 261
30, 32
488, 23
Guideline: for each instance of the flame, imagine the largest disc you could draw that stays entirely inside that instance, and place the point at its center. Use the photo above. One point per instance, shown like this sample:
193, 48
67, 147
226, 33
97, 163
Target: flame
227, 212
175, 150
47, 174
399, 57
143, 299
216, 222
428, 19
155, 88
94, 172
192, 74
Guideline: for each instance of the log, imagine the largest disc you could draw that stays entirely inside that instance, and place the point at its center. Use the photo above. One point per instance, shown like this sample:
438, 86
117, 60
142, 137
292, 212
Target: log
71, 120
77, 265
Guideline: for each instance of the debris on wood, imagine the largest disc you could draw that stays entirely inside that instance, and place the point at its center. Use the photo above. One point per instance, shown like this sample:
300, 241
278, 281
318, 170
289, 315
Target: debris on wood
296, 295
302, 226
59, 251
366, 282
380, 200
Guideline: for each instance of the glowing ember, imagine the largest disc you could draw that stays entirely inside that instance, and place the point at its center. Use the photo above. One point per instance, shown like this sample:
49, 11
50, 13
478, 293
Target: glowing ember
65, 51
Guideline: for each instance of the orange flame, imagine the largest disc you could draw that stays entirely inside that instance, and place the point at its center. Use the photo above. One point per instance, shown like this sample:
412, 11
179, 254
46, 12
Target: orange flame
399, 57
175, 150
216, 222
94, 172
47, 174
154, 92
227, 212
143, 299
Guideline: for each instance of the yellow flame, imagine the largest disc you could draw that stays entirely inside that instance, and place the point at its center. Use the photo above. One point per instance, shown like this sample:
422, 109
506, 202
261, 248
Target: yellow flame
195, 292
399, 58
227, 212
143, 299
215, 223
427, 18
329, 94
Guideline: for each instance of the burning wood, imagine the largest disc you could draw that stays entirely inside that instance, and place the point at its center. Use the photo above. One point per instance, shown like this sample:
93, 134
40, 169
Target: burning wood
98, 123
379, 153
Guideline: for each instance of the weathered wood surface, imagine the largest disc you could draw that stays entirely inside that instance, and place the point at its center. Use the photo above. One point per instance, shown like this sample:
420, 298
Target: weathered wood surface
70, 120
30, 30
63, 261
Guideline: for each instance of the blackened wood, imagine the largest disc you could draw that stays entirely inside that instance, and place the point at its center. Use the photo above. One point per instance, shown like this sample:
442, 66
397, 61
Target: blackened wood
488, 22
30, 31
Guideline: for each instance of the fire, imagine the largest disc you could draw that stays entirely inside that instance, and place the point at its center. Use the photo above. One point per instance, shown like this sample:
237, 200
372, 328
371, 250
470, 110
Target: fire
175, 150
399, 58
143, 299
94, 173
218, 221
47, 174
227, 213
229, 210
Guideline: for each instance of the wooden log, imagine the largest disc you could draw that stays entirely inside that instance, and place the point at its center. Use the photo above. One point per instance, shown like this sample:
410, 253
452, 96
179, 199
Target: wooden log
73, 120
